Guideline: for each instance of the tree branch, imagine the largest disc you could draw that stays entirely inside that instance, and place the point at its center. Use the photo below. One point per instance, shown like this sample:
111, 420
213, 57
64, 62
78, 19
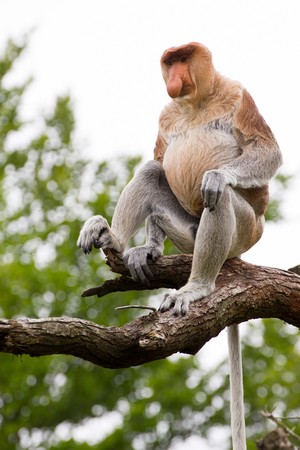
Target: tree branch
280, 424
243, 292
168, 272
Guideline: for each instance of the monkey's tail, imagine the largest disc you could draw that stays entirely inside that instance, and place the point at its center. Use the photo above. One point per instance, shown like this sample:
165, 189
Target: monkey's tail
236, 389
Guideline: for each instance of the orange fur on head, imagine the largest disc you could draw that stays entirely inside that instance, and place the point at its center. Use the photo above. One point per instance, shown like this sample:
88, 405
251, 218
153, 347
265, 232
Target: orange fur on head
188, 71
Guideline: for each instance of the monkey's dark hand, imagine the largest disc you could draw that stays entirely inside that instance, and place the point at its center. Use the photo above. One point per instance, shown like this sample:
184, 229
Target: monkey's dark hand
96, 232
136, 260
213, 185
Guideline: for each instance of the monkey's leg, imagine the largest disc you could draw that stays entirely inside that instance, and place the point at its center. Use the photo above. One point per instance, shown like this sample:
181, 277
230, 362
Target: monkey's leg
167, 217
133, 206
147, 195
223, 232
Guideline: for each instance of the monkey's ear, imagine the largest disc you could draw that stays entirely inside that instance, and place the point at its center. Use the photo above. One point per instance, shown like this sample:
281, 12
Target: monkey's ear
160, 148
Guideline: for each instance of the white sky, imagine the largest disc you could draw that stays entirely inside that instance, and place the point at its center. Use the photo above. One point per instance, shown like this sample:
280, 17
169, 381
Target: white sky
106, 55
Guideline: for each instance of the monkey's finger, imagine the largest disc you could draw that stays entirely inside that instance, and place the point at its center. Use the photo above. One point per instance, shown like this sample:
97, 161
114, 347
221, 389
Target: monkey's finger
139, 271
94, 233
84, 243
210, 199
181, 306
212, 187
136, 260
147, 272
143, 274
208, 195
179, 302
88, 240
167, 303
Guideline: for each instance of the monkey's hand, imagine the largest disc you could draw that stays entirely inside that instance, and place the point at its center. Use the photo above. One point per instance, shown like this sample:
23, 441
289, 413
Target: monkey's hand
136, 260
96, 232
213, 185
181, 299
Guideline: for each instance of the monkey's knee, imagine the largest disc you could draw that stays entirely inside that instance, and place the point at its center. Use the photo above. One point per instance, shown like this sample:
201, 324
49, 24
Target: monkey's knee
147, 178
150, 168
152, 177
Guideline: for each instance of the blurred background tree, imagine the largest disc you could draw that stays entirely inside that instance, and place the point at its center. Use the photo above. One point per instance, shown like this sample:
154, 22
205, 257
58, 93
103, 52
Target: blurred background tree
47, 190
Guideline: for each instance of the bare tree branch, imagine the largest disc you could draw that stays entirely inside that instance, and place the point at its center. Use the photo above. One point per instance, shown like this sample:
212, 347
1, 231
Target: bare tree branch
168, 272
280, 424
243, 292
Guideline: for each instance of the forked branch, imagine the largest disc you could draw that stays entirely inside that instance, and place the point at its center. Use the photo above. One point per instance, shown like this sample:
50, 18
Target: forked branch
244, 292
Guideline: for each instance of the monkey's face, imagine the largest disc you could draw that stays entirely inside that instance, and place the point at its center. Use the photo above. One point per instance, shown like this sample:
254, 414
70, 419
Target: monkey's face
188, 72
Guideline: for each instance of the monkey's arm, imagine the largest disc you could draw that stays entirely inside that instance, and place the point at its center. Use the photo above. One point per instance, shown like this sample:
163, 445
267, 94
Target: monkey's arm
258, 162
260, 156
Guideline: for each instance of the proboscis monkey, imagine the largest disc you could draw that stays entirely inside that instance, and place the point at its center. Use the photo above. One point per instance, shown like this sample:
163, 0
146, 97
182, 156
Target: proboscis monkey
206, 190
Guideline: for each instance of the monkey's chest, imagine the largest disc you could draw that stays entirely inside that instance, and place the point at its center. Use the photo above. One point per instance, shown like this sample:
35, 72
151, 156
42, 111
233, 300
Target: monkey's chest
189, 156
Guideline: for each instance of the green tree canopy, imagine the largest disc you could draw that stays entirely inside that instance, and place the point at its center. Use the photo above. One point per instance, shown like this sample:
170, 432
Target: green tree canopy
47, 189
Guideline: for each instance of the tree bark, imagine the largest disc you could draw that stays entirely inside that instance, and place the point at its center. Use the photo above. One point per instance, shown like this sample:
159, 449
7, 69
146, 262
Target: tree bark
275, 440
243, 292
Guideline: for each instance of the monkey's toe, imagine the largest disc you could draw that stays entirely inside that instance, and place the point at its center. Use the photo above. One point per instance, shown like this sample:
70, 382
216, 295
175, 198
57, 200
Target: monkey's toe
178, 302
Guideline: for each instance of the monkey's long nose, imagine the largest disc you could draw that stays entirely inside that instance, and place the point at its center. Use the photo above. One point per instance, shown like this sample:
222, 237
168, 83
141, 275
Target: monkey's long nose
174, 86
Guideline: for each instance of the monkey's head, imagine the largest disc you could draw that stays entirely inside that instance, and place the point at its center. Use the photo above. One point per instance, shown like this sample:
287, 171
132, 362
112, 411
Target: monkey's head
188, 72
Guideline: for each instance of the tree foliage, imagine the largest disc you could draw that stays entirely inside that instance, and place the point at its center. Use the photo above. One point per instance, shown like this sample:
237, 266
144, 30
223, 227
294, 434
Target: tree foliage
47, 189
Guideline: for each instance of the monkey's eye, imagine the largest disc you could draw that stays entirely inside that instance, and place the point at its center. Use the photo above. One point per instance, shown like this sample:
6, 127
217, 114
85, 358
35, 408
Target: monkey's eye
184, 59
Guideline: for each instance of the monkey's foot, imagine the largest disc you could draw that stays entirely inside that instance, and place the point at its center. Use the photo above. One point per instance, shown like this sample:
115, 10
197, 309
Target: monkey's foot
181, 299
96, 232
